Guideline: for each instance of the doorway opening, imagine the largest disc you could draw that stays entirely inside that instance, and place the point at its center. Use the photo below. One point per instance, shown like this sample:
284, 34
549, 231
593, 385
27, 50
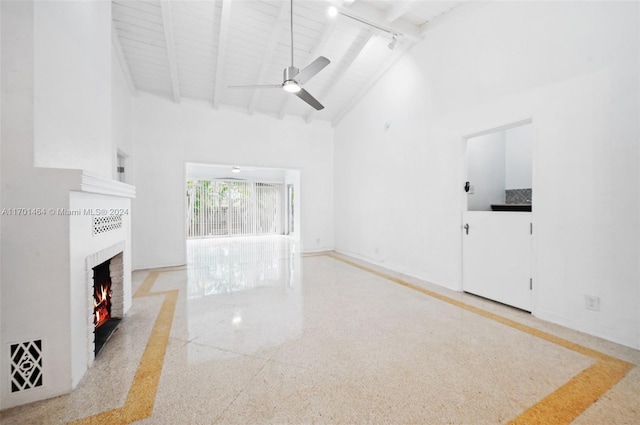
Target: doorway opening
231, 201
121, 166
497, 225
290, 209
499, 167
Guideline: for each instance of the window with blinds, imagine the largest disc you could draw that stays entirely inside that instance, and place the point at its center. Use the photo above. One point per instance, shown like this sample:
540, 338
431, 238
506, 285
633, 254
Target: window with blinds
233, 208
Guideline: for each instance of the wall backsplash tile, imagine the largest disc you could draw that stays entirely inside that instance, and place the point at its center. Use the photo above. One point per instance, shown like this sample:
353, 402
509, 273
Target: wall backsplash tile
518, 196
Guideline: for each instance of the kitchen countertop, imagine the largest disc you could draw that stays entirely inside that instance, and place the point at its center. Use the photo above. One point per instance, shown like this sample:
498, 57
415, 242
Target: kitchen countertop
511, 207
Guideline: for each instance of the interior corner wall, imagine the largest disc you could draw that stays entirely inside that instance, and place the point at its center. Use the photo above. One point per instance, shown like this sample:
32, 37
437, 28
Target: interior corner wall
121, 114
167, 135
486, 171
570, 67
519, 156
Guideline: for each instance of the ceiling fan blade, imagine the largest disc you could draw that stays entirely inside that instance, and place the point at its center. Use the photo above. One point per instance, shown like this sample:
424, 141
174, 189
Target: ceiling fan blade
304, 95
257, 86
312, 69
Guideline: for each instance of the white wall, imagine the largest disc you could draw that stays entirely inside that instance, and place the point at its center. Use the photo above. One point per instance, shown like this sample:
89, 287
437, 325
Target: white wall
72, 80
518, 156
168, 135
571, 67
486, 171
121, 115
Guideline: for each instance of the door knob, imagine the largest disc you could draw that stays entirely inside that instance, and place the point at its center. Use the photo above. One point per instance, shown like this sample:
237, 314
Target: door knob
466, 228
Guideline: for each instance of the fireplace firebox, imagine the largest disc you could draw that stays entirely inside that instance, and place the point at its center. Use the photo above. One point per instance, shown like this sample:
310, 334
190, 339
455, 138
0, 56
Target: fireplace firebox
104, 322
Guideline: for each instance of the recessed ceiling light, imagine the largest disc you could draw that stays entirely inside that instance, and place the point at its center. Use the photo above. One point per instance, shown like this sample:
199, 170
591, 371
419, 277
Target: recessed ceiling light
235, 170
333, 11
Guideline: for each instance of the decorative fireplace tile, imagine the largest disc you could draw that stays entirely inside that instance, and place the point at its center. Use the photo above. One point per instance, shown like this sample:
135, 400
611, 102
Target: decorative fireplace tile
26, 365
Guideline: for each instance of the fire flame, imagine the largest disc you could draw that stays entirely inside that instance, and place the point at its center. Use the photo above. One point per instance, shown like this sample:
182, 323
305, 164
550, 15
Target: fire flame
102, 305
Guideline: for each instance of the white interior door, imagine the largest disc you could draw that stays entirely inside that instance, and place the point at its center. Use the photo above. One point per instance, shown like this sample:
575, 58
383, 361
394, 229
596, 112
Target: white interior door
496, 262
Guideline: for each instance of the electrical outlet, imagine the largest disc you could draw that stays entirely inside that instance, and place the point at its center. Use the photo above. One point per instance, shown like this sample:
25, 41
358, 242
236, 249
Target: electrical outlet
592, 303
472, 189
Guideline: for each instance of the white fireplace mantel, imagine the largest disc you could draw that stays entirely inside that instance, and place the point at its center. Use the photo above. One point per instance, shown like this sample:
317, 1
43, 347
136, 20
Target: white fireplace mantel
94, 183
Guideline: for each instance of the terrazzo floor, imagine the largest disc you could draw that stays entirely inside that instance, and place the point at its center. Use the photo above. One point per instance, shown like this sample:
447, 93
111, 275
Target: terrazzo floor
251, 332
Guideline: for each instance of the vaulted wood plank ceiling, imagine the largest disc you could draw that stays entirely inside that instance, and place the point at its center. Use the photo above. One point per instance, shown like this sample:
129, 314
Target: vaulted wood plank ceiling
195, 49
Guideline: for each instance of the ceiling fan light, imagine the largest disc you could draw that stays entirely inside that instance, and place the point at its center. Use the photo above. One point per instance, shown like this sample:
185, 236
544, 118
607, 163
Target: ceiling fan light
291, 86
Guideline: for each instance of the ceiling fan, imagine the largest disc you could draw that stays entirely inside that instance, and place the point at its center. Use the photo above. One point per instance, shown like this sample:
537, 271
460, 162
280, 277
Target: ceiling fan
294, 78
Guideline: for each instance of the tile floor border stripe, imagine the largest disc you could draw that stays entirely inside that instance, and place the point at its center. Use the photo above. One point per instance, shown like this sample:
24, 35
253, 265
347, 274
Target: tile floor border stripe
560, 407
142, 393
567, 402
574, 397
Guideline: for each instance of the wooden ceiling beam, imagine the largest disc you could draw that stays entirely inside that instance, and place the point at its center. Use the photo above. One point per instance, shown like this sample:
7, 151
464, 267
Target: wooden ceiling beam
354, 51
222, 49
165, 8
378, 18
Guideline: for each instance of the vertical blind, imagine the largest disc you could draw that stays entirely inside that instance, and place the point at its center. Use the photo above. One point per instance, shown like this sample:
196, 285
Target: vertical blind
233, 208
